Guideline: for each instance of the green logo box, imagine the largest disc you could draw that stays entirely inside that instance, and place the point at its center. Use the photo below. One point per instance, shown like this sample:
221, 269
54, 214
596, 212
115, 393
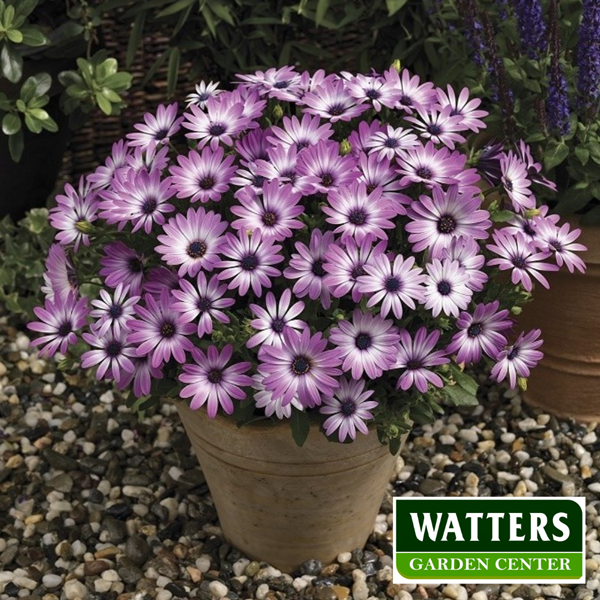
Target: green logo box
489, 540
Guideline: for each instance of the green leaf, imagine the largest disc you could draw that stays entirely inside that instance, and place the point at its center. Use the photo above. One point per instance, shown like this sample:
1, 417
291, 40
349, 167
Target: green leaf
37, 220
134, 38
556, 153
176, 7
583, 154
36, 85
104, 104
502, 216
26, 7
11, 124
15, 36
173, 71
11, 63
394, 445
459, 396
322, 7
39, 113
300, 423
32, 36
16, 145
221, 11
465, 381
394, 6
33, 124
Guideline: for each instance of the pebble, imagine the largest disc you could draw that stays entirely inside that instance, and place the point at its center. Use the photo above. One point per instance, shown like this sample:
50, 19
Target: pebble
75, 590
218, 589
51, 581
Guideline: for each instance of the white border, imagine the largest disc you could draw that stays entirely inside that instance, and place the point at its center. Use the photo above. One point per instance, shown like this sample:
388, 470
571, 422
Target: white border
397, 578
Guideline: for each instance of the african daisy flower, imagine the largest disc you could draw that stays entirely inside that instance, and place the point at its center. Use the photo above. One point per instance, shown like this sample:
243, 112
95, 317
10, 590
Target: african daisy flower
517, 360
416, 356
74, 212
358, 214
515, 182
273, 78
60, 278
300, 133
392, 284
561, 242
204, 301
378, 173
438, 126
211, 383
460, 106
518, 254
264, 399
270, 323
150, 159
412, 94
111, 353
333, 101
301, 367
203, 176
349, 409
367, 344
58, 321
160, 331
156, 129
429, 165
466, 250
436, 221
362, 135
388, 142
282, 164
202, 93
254, 145
112, 313
307, 268
158, 279
446, 288
274, 213
249, 261
122, 264
192, 241
102, 177
480, 332
141, 377
533, 168
373, 90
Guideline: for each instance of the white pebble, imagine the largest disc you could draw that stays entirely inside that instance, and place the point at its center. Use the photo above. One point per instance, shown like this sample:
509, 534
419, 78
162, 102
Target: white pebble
552, 590
110, 575
360, 591
447, 440
175, 473
261, 591
127, 435
59, 388
239, 566
75, 590
78, 548
162, 581
203, 564
102, 586
589, 438
508, 438
51, 581
25, 582
456, 592
299, 584
218, 589
469, 435
344, 557
164, 595
529, 424
594, 487
479, 596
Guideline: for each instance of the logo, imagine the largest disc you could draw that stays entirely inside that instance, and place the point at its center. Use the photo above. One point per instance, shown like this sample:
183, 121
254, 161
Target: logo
489, 540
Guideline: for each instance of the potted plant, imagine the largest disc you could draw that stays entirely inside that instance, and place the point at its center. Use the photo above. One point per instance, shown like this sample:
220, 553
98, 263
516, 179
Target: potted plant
536, 63
320, 259
50, 79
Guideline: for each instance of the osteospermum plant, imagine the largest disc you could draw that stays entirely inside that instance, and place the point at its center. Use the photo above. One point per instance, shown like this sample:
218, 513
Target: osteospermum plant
305, 247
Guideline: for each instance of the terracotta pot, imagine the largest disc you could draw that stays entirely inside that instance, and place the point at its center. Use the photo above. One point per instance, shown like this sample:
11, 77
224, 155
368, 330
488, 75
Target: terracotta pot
283, 504
567, 381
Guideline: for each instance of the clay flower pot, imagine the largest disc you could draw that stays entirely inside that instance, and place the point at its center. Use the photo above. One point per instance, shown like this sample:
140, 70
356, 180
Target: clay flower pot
283, 504
567, 381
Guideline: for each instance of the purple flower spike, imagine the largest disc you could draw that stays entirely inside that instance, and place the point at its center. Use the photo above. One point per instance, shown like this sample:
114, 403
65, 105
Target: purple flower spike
211, 382
518, 360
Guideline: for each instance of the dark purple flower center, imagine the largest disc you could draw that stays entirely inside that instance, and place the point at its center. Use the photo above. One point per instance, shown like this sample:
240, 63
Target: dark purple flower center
513, 353
317, 268
475, 329
167, 329
204, 304
269, 219
391, 143
278, 325
281, 85
455, 112
336, 110
528, 229
347, 407
217, 129
72, 277
444, 288
135, 265
203, 97
357, 217
258, 181
327, 179
65, 329
149, 206
115, 311
301, 365
358, 271
519, 262
290, 175
113, 349
300, 145
161, 134
215, 376
363, 341
508, 184
406, 100
206, 183
424, 173
434, 129
196, 249
446, 224
413, 364
371, 187
392, 284
556, 245
249, 262
373, 94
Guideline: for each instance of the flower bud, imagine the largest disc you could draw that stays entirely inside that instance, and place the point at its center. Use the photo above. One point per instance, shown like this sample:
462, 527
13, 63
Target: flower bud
532, 212
66, 364
397, 65
84, 227
516, 310
522, 381
277, 112
345, 147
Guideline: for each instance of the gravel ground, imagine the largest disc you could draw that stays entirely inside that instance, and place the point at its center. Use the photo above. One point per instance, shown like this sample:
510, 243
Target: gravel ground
95, 504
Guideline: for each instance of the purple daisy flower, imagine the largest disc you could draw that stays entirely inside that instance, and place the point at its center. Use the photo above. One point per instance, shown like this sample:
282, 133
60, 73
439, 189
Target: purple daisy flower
58, 321
345, 264
211, 382
202, 93
438, 126
272, 79
204, 176
250, 262
102, 177
436, 221
160, 331
60, 277
73, 213
389, 142
324, 167
113, 313
272, 322
429, 165
393, 284
517, 253
123, 265
149, 159
374, 90
349, 409
282, 164
446, 288
466, 252
254, 145
192, 241
158, 279
417, 356
220, 122
274, 213
300, 134
156, 129
480, 332
112, 355
367, 344
362, 135
518, 360
411, 93
533, 168
264, 399
333, 101
488, 162
300, 368
307, 268
561, 242
205, 300
359, 214
141, 377
516, 183
461, 106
